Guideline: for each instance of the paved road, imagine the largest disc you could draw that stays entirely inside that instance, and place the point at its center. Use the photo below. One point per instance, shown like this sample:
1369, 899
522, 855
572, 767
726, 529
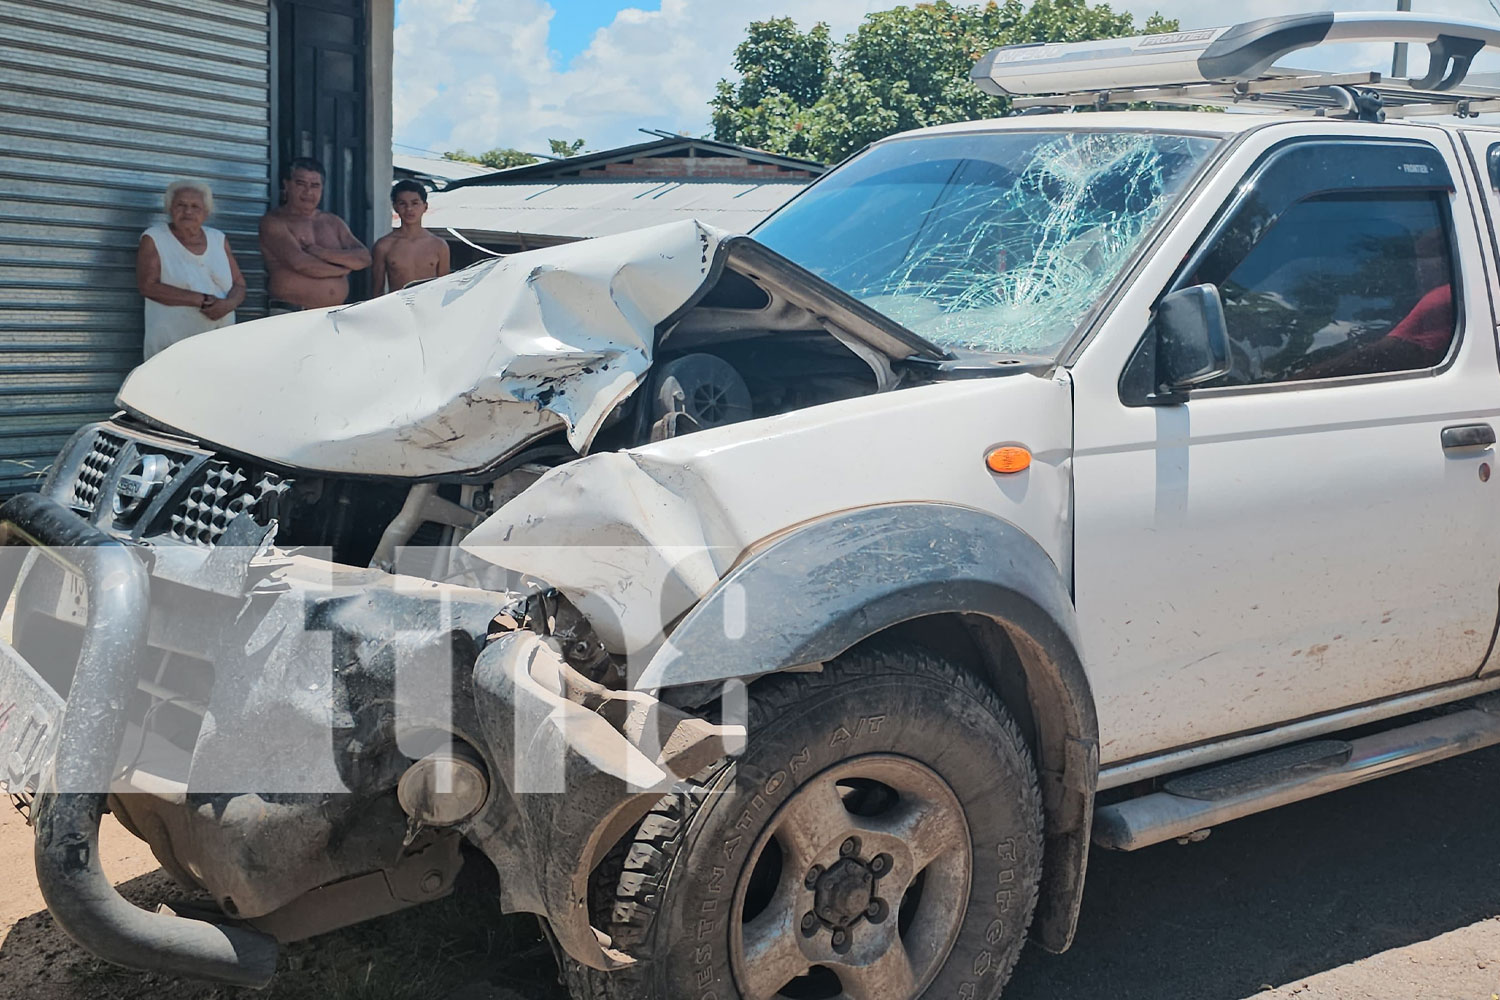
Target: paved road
1390, 890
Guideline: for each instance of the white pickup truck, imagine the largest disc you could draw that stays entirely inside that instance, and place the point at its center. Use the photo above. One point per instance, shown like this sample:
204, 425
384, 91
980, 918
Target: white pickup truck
787, 615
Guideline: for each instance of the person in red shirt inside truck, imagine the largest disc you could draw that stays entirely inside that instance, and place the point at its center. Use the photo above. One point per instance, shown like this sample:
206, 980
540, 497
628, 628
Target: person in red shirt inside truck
1422, 338
1428, 327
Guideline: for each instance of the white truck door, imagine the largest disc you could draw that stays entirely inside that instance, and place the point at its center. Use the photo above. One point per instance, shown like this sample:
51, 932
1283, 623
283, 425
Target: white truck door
1484, 147
1316, 529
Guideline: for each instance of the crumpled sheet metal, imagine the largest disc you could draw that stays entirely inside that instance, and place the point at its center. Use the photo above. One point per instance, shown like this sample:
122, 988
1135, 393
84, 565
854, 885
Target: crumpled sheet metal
613, 762
631, 548
635, 539
445, 377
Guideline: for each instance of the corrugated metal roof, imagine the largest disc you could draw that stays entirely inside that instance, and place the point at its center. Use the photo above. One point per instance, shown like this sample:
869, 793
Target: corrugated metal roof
438, 166
664, 145
580, 209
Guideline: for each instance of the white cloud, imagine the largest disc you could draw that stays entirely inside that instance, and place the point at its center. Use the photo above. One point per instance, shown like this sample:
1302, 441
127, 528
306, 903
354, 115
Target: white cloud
479, 73
455, 59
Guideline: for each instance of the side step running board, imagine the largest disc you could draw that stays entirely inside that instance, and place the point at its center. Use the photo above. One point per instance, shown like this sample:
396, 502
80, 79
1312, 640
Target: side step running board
1254, 784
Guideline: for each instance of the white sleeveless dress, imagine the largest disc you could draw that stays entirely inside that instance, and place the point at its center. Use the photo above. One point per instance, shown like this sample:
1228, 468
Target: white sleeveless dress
207, 272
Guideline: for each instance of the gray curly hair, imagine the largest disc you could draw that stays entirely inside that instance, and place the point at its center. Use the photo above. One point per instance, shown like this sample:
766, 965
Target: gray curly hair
177, 187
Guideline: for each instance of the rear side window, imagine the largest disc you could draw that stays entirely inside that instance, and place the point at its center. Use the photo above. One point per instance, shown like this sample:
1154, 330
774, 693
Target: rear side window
1335, 281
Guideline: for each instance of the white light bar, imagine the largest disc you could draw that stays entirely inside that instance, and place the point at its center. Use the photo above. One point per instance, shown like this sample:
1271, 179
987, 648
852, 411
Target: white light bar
1235, 54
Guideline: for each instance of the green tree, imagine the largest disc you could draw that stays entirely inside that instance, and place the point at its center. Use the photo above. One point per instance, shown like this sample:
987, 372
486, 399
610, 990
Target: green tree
565, 149
777, 58
496, 159
783, 72
900, 69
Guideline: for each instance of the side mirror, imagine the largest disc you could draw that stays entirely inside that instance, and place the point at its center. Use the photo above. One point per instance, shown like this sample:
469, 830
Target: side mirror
1192, 339
1494, 163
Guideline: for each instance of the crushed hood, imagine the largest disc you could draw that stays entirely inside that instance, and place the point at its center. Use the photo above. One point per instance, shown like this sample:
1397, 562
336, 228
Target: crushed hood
455, 374
440, 378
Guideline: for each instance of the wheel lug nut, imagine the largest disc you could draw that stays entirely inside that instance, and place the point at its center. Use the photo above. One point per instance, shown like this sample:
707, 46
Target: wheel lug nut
813, 874
840, 940
877, 911
849, 848
880, 864
809, 923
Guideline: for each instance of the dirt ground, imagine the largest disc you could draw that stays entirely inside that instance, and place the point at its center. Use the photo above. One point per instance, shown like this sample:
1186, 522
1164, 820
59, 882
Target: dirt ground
34, 952
1390, 891
462, 948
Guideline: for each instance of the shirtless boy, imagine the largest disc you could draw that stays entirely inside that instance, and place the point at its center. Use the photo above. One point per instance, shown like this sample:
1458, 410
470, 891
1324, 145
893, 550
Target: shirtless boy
410, 253
309, 253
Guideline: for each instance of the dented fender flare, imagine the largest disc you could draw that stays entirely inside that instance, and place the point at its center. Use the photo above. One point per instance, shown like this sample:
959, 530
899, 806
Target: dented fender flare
825, 586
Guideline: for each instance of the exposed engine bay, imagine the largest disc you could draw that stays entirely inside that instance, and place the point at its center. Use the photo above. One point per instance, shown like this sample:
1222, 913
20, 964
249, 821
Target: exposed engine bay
599, 347
364, 521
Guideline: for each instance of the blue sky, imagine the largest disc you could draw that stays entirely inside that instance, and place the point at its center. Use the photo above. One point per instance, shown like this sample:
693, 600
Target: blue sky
476, 74
576, 21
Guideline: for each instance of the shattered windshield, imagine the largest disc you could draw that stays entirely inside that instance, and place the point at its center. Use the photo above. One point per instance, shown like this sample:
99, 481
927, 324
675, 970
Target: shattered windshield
993, 242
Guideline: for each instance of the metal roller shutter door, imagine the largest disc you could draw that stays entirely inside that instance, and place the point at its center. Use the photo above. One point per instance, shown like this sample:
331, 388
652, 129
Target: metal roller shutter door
101, 105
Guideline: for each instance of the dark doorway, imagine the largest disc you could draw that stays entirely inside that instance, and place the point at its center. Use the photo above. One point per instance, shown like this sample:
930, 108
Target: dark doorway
321, 81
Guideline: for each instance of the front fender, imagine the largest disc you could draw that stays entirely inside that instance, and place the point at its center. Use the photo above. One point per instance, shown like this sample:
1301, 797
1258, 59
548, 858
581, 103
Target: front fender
827, 585
819, 589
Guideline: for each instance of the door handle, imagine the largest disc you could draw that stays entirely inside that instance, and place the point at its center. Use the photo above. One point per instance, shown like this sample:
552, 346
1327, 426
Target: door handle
1466, 436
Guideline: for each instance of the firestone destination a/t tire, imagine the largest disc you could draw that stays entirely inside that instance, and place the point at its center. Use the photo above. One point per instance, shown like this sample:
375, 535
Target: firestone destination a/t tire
879, 839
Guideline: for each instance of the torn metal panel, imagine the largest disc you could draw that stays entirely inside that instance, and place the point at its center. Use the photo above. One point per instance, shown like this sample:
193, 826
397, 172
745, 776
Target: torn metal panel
620, 543
635, 539
441, 378
614, 759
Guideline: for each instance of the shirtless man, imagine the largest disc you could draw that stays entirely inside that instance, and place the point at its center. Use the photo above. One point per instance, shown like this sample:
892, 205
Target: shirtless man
410, 253
309, 253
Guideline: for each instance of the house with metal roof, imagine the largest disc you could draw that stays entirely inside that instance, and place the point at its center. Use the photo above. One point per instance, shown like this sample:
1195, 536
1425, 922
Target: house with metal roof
434, 172
596, 194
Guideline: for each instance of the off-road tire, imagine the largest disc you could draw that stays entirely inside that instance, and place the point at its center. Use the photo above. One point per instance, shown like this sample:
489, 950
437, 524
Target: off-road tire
679, 870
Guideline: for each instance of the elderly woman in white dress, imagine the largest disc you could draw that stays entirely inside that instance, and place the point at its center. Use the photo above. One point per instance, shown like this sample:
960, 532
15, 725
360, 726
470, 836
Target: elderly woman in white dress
186, 270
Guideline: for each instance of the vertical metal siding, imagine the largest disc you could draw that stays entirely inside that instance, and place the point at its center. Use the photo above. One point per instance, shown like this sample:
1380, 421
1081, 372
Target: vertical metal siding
101, 105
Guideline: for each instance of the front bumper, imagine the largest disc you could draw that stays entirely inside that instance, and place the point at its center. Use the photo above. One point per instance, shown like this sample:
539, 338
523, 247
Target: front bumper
324, 681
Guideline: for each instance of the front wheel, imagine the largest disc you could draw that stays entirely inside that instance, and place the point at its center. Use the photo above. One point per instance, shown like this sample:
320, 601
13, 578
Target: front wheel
879, 839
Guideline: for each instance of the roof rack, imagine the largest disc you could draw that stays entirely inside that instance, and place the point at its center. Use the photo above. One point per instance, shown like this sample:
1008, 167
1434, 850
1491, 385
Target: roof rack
1235, 67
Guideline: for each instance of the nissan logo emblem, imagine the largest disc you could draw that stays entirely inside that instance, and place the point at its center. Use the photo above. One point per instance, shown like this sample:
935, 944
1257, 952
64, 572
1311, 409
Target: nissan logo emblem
136, 488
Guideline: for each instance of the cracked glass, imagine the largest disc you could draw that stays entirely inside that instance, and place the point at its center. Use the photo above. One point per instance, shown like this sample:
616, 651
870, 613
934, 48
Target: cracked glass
998, 242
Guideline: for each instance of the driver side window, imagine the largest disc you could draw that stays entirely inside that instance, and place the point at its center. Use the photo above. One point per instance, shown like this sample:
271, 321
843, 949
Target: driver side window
1337, 283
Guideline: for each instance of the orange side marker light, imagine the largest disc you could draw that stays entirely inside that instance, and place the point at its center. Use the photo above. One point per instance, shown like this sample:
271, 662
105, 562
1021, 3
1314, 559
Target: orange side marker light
1006, 461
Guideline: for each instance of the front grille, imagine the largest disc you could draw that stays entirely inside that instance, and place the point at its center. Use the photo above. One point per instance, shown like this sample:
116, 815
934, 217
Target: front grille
95, 469
227, 491
204, 494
